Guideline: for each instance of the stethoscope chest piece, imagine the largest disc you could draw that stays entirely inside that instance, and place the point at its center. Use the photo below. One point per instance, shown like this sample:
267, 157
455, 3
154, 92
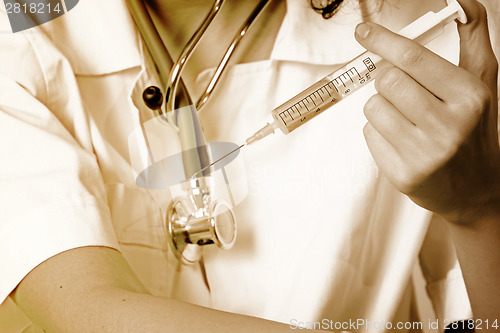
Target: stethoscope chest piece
196, 220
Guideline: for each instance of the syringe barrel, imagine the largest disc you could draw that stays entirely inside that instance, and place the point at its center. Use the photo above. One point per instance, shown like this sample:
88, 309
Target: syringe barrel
328, 91
356, 73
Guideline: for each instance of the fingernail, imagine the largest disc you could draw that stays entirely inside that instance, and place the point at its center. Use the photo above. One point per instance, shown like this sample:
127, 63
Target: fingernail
362, 30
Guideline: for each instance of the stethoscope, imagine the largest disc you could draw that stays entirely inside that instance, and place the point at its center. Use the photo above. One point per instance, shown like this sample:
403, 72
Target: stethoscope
196, 218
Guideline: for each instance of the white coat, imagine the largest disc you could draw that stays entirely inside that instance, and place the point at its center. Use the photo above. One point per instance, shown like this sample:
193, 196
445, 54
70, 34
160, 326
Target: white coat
322, 234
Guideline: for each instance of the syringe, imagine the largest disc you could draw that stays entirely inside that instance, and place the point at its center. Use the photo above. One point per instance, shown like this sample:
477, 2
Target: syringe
338, 85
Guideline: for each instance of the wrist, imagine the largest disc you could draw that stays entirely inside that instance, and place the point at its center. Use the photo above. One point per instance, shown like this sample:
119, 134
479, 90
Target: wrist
482, 207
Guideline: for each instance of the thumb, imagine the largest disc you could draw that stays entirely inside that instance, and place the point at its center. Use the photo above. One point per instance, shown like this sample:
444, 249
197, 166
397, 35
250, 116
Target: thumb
476, 53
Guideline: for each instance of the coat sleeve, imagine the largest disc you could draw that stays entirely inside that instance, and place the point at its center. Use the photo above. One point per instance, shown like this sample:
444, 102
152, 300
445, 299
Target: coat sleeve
52, 195
443, 276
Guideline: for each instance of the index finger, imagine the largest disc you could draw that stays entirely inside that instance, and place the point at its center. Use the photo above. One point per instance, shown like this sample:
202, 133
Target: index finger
437, 75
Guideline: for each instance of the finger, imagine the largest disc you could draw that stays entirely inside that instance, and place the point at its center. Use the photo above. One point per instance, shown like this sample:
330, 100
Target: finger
476, 53
415, 102
384, 154
393, 126
434, 73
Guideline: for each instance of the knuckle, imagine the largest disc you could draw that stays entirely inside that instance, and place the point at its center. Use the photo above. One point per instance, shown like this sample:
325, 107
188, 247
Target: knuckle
374, 109
367, 129
485, 66
451, 142
389, 81
410, 179
479, 99
412, 57
369, 133
372, 106
404, 181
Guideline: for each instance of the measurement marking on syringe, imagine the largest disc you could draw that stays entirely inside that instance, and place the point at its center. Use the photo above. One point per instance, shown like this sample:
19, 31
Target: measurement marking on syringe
336, 80
317, 93
331, 83
302, 108
345, 77
302, 101
283, 115
324, 87
339, 84
369, 64
355, 72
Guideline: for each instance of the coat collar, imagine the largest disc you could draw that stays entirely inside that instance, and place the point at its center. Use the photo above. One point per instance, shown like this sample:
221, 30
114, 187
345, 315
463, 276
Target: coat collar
332, 42
322, 42
97, 37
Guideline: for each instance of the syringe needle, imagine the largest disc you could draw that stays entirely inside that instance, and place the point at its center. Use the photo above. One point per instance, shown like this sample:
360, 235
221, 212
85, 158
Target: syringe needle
218, 160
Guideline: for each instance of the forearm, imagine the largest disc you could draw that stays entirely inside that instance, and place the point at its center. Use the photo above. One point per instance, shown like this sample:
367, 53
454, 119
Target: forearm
120, 310
478, 249
94, 290
436, 140
117, 310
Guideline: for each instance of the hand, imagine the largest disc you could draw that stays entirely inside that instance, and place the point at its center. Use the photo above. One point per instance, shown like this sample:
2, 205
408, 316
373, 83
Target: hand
432, 127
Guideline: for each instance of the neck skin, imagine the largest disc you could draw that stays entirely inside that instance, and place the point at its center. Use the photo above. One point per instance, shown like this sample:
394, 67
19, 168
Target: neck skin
396, 14
177, 20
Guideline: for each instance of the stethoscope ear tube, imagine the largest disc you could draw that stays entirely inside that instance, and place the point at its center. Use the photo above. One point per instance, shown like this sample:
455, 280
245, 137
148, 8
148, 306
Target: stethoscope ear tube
187, 121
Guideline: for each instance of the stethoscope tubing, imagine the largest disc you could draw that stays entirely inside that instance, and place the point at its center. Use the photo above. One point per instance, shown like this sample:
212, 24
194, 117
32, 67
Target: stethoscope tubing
193, 144
186, 122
